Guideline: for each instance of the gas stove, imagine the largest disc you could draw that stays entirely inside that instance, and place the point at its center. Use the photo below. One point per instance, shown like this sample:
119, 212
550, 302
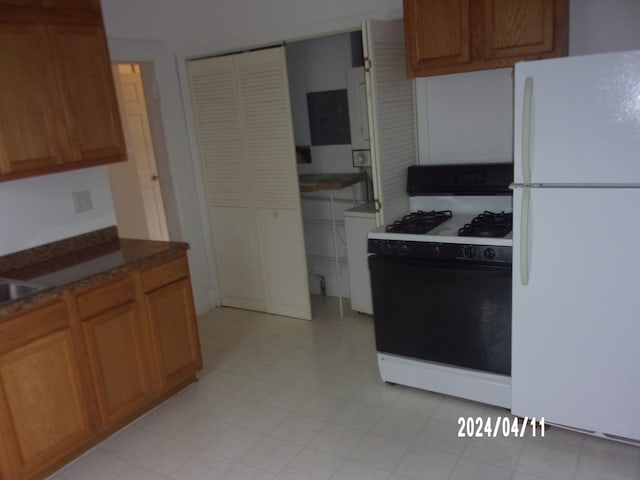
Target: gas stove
471, 220
455, 204
450, 255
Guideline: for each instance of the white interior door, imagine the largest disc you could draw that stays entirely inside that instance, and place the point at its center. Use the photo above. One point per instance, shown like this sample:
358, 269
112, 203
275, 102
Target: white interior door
137, 195
245, 134
140, 148
392, 117
575, 324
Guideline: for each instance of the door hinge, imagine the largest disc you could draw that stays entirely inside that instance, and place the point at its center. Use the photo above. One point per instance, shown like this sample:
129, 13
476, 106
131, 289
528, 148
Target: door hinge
377, 205
367, 65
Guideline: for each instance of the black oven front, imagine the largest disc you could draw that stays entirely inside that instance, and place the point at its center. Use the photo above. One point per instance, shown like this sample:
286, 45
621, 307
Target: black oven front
443, 303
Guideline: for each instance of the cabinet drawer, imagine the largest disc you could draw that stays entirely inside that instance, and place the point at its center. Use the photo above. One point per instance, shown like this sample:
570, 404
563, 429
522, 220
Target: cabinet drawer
165, 273
105, 297
27, 327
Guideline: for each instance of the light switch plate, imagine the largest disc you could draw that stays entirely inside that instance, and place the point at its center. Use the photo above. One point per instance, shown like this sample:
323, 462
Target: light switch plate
82, 201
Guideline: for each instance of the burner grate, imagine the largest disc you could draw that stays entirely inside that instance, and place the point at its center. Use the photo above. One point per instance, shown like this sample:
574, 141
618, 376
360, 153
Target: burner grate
488, 224
419, 222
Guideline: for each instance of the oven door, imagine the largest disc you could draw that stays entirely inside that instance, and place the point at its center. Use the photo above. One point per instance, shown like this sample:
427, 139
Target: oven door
454, 313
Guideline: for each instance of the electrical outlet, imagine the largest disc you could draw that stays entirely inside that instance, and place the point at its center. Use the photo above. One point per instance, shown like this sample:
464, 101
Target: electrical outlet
82, 201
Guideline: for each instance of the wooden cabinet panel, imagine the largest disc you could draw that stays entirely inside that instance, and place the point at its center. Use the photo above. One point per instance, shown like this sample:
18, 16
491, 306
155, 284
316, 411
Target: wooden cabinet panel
105, 297
117, 358
164, 273
92, 106
31, 135
437, 32
90, 4
86, 4
175, 342
450, 36
518, 27
43, 410
58, 110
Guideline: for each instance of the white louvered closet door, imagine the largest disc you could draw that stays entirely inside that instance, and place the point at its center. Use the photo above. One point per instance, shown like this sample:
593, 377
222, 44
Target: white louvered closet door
392, 117
241, 105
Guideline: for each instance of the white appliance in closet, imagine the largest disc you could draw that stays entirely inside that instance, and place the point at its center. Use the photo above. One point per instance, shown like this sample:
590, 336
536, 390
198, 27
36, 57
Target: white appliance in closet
358, 222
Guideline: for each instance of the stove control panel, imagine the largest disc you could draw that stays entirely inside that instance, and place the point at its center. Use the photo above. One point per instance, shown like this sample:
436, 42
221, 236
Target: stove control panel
441, 251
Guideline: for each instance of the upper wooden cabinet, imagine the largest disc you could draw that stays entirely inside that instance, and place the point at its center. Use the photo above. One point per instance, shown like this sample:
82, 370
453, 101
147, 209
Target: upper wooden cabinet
59, 109
450, 36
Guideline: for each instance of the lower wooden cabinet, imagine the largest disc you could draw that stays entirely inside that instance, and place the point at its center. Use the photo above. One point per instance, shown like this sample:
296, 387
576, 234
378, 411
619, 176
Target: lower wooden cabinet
169, 305
115, 342
44, 413
75, 370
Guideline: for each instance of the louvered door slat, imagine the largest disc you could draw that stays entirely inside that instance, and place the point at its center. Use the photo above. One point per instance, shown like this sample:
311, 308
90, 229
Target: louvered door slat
392, 106
267, 114
218, 122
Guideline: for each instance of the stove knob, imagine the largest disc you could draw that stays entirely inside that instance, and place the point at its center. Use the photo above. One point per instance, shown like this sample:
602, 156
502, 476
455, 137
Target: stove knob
388, 248
489, 254
404, 249
469, 252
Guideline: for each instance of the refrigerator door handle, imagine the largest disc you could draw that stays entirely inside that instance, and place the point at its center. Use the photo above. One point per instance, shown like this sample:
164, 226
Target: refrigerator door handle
524, 236
526, 129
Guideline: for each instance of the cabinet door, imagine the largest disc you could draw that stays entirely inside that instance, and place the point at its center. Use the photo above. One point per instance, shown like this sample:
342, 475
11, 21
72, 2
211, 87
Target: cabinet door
92, 107
32, 136
118, 363
518, 27
43, 411
174, 332
437, 32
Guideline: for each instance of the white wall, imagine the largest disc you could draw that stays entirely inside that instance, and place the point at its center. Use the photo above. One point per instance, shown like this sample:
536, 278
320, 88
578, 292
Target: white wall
203, 26
40, 210
598, 26
466, 117
175, 165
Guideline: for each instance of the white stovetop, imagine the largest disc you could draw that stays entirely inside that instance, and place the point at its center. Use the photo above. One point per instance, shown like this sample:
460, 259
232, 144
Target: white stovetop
464, 209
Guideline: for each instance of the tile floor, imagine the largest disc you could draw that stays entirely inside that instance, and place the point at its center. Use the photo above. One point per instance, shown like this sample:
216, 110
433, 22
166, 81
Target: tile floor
286, 399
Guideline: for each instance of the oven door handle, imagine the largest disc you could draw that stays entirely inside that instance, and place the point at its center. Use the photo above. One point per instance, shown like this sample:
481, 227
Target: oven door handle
524, 235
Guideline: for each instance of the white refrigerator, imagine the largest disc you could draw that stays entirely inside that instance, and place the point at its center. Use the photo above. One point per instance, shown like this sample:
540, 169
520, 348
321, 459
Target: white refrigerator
576, 243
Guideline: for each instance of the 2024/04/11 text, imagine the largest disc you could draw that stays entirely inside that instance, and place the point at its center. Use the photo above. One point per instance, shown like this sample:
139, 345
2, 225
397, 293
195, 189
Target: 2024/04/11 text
505, 426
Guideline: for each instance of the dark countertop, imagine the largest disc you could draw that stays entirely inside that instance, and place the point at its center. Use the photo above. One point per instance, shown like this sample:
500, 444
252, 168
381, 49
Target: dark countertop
311, 182
67, 265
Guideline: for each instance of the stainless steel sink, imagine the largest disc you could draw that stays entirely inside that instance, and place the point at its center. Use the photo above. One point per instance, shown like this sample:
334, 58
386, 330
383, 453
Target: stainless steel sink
14, 289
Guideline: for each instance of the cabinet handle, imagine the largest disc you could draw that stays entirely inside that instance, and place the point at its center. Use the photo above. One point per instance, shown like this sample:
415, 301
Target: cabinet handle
154, 177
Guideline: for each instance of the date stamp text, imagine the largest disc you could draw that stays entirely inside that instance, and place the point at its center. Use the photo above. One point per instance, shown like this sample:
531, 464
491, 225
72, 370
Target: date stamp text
491, 427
